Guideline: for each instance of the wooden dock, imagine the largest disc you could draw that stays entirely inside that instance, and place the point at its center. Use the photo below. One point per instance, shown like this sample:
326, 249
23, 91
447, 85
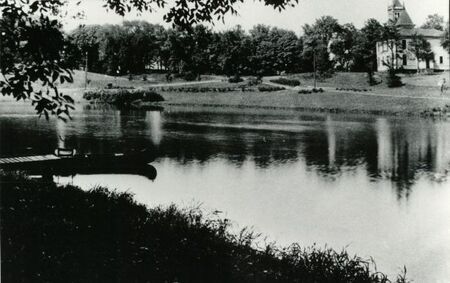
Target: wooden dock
27, 159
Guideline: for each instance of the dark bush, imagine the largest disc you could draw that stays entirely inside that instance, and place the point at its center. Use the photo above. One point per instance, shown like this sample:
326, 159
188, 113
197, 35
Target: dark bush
235, 79
122, 97
253, 81
285, 81
392, 79
307, 91
190, 76
65, 234
270, 88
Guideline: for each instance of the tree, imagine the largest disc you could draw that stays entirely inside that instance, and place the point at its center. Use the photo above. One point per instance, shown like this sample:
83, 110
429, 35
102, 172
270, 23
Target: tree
316, 39
446, 40
275, 50
235, 54
421, 49
364, 49
340, 47
34, 42
391, 37
434, 21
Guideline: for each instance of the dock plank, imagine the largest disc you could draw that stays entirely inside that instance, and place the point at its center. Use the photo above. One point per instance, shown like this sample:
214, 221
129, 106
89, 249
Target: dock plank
24, 159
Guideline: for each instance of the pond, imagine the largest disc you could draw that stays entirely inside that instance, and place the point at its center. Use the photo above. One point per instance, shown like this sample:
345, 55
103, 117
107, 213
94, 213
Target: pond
377, 186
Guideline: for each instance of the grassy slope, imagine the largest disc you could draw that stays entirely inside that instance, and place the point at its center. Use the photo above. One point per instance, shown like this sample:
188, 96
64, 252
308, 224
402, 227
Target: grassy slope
65, 234
416, 86
348, 102
101, 81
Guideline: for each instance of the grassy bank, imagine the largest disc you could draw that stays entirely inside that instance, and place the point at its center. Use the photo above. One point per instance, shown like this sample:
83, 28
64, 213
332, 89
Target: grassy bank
344, 93
96, 80
328, 101
65, 234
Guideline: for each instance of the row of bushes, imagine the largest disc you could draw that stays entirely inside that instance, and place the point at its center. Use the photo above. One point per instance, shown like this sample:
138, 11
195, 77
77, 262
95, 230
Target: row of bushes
235, 79
436, 112
111, 86
66, 233
263, 88
353, 89
122, 97
285, 81
266, 88
199, 89
307, 91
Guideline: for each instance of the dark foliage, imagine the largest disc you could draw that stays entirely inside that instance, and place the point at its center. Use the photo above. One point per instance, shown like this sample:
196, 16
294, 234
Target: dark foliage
285, 81
65, 234
122, 97
392, 79
307, 91
265, 88
235, 79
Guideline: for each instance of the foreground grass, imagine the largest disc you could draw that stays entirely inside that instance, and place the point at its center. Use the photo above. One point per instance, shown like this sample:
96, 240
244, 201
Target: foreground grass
65, 234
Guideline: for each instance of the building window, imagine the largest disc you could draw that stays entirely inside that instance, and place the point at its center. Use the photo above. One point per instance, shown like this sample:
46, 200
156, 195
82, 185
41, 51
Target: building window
405, 60
441, 60
403, 44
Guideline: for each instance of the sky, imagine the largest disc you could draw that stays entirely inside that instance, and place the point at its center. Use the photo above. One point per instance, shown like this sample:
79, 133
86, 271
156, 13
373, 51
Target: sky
253, 12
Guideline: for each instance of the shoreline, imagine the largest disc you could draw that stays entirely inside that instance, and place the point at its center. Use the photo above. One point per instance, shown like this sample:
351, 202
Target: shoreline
337, 102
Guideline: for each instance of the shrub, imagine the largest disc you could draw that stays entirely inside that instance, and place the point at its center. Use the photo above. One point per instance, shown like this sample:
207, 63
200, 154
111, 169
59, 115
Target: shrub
285, 81
253, 81
307, 91
190, 76
270, 88
122, 97
105, 236
392, 79
235, 79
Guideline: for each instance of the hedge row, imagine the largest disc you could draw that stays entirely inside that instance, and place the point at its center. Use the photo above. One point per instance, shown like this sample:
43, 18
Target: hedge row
285, 81
122, 97
199, 89
307, 91
270, 88
353, 89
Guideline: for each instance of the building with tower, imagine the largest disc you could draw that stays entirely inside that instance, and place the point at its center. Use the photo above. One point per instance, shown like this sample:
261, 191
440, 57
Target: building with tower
403, 57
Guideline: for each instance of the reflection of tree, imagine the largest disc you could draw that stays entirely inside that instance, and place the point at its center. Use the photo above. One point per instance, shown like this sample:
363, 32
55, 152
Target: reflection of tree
397, 150
408, 150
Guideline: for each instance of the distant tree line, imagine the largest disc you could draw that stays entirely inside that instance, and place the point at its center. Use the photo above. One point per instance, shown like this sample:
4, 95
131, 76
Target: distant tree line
137, 46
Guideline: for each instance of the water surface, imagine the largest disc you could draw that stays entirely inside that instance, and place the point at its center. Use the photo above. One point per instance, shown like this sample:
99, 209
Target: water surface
375, 185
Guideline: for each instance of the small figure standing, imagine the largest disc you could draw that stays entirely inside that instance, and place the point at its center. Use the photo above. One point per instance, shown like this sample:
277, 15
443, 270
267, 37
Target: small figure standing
443, 85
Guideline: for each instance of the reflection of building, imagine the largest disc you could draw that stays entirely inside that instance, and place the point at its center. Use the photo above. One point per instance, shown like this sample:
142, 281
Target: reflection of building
406, 59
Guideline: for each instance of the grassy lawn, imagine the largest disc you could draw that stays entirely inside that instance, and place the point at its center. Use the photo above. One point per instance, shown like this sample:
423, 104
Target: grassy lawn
289, 99
64, 234
417, 87
101, 80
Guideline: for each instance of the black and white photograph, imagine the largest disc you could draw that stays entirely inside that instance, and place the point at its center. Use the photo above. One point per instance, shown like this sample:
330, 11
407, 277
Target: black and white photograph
190, 141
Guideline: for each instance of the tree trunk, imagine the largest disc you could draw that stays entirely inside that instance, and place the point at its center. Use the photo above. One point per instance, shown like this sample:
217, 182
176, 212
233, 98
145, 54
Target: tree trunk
418, 64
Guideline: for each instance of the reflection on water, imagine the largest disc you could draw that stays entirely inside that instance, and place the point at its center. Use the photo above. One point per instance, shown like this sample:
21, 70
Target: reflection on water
377, 184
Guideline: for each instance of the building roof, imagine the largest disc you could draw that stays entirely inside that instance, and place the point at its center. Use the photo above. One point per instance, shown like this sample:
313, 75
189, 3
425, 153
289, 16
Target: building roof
406, 32
404, 20
396, 4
